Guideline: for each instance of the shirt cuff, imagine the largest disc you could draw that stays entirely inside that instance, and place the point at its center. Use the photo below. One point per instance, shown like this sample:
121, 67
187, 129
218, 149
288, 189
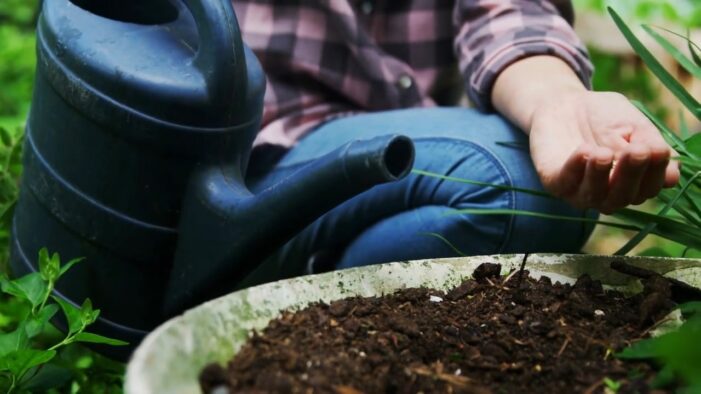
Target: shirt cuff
507, 51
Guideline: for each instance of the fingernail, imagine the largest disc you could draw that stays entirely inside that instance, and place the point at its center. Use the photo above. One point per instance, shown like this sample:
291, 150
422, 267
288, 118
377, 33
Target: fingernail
603, 164
639, 159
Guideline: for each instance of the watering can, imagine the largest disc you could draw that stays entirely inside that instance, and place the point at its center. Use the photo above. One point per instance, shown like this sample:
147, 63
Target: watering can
137, 144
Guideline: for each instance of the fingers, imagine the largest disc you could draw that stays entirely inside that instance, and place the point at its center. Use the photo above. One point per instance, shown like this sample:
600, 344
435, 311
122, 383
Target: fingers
627, 178
672, 174
662, 172
654, 178
595, 183
569, 179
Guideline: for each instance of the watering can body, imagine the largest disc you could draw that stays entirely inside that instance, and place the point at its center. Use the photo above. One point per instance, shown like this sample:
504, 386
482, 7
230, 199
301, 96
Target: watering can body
137, 142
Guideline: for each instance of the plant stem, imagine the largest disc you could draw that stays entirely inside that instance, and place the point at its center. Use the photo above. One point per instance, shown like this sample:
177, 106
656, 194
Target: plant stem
520, 272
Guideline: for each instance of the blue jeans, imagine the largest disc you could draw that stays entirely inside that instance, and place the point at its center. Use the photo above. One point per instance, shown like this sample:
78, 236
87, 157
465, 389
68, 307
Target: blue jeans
392, 222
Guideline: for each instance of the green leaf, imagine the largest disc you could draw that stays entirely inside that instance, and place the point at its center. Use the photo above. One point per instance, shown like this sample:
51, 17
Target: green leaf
654, 251
664, 378
691, 308
5, 137
30, 287
685, 207
35, 324
15, 340
634, 241
87, 314
693, 48
642, 350
49, 267
49, 378
668, 134
444, 240
479, 183
667, 80
668, 228
693, 145
20, 361
70, 264
73, 315
95, 338
490, 211
613, 385
685, 62
694, 55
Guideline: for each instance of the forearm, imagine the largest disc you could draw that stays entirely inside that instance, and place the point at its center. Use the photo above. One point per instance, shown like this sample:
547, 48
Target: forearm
530, 83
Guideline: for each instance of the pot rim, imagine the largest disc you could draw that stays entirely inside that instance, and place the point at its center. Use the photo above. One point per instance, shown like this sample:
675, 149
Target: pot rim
169, 358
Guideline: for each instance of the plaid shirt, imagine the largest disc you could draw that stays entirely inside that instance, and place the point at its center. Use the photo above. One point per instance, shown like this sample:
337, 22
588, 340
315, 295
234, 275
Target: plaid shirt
329, 58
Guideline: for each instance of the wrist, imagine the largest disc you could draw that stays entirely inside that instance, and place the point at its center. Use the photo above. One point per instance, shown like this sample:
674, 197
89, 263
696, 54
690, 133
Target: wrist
533, 83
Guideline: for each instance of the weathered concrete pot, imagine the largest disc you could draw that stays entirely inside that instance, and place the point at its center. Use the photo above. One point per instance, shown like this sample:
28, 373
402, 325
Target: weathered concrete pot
171, 357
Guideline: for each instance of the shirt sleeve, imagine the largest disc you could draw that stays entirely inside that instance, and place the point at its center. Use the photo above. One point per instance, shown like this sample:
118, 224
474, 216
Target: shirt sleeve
492, 34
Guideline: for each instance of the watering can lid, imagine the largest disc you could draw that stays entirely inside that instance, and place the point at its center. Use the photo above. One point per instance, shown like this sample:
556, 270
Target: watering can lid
189, 70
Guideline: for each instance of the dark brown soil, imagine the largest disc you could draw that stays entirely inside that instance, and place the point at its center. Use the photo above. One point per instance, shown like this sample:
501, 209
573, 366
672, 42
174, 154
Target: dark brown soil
485, 336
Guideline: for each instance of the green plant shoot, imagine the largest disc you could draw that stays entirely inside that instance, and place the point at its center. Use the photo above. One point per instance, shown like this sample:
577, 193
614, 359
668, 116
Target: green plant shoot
20, 357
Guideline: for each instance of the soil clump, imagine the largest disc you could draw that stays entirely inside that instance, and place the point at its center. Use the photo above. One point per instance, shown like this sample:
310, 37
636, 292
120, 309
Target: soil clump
484, 336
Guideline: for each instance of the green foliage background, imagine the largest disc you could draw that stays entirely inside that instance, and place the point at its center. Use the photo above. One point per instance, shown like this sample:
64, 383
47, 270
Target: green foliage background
17, 60
686, 13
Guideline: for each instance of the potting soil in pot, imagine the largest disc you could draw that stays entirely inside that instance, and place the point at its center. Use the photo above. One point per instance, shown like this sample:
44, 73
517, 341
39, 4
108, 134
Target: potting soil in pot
492, 334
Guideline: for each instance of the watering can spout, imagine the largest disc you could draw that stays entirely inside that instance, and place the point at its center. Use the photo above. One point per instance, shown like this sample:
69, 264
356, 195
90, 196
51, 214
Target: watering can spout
225, 232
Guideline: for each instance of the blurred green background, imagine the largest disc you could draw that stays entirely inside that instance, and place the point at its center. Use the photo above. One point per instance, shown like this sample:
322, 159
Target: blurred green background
615, 71
17, 18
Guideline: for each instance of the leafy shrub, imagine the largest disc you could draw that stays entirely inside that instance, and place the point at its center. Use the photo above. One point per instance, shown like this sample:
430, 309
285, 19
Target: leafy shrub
17, 60
23, 350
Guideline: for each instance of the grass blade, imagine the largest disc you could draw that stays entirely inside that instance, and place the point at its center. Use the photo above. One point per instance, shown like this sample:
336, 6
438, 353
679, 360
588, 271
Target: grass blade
693, 48
488, 211
694, 55
450, 245
513, 144
680, 57
635, 240
685, 207
494, 185
668, 228
670, 82
667, 133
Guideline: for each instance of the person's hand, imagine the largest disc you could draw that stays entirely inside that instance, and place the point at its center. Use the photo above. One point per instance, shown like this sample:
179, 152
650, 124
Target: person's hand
596, 150
593, 149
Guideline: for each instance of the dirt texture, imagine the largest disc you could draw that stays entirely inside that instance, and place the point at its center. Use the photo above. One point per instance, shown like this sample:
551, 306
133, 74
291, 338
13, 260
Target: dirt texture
492, 334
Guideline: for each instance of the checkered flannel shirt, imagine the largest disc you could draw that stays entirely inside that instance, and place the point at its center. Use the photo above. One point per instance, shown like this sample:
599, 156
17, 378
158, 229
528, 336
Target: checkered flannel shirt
328, 58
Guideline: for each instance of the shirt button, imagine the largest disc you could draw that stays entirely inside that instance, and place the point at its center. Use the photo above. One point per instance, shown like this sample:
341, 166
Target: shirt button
366, 7
405, 82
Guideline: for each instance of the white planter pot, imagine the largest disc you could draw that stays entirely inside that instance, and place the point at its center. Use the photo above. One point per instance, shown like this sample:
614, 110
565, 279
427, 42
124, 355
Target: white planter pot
170, 358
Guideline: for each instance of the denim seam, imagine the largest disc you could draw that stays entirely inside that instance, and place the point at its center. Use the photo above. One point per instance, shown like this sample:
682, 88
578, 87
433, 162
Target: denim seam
511, 195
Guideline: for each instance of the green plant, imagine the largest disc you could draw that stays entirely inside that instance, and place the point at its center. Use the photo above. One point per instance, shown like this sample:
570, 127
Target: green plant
17, 60
10, 171
25, 347
677, 352
612, 385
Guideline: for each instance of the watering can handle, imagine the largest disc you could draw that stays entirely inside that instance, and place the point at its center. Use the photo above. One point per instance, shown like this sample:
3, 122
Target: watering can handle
220, 56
